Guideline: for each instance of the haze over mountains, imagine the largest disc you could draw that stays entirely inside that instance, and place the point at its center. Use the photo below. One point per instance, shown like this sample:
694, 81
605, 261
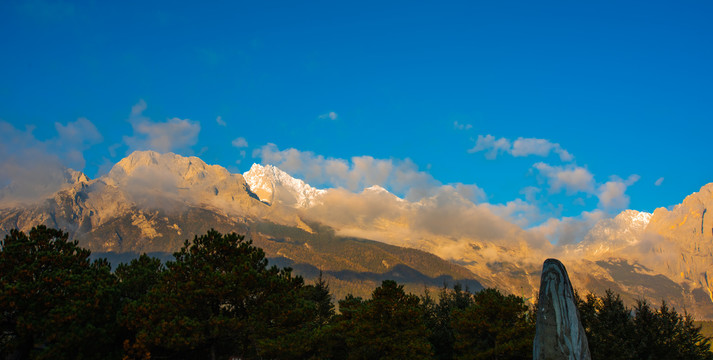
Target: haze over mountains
151, 202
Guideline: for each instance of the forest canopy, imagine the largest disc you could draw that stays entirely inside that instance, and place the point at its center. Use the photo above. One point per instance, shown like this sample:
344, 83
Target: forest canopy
219, 298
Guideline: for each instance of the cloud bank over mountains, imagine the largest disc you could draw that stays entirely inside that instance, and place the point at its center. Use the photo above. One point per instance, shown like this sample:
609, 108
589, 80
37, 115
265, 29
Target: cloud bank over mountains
25, 158
155, 199
31, 169
359, 172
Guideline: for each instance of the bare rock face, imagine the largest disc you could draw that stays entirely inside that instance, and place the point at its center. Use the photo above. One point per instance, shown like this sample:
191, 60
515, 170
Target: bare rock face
689, 224
559, 333
684, 246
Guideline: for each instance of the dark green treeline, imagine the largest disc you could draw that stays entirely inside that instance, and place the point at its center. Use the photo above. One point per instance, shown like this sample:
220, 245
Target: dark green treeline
219, 299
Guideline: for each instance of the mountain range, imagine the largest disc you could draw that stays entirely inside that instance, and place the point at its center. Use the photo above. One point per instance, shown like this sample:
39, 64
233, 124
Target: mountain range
152, 202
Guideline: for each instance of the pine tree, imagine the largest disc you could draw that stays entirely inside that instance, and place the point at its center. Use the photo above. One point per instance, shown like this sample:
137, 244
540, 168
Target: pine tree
218, 298
439, 318
617, 332
56, 303
139, 276
320, 297
495, 326
135, 280
388, 326
665, 334
608, 325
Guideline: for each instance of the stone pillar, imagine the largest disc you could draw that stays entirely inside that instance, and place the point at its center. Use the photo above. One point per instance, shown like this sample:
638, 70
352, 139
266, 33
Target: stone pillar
559, 333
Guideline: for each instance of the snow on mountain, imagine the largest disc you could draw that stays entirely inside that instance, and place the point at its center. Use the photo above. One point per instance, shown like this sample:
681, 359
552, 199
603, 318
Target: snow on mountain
608, 236
151, 201
275, 186
133, 194
376, 188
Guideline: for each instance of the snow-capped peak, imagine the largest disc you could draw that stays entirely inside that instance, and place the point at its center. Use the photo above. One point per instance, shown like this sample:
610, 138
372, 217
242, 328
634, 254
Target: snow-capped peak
376, 188
635, 218
273, 185
612, 234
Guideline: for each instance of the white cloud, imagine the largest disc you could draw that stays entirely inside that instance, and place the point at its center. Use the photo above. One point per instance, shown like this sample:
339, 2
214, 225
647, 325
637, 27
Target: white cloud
531, 146
539, 147
74, 138
459, 126
138, 108
172, 135
659, 181
240, 142
220, 121
530, 193
31, 169
568, 230
612, 194
518, 148
330, 115
445, 223
166, 136
492, 145
571, 178
400, 176
112, 149
81, 131
518, 211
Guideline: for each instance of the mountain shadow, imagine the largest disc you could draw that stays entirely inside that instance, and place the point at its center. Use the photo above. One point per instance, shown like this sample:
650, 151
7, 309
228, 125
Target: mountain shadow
400, 273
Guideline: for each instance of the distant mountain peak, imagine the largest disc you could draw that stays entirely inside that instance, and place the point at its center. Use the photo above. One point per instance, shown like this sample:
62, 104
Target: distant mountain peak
635, 218
272, 185
376, 188
73, 176
166, 179
690, 220
610, 235
152, 201
191, 170
29, 191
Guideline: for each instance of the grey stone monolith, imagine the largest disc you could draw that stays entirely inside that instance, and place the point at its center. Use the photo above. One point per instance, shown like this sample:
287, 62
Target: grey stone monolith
559, 334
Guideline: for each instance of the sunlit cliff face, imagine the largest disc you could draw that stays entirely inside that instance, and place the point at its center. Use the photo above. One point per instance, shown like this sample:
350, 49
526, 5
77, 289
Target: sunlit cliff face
147, 190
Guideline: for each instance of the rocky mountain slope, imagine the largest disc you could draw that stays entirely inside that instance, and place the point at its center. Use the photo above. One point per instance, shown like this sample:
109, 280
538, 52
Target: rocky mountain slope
151, 202
687, 230
665, 255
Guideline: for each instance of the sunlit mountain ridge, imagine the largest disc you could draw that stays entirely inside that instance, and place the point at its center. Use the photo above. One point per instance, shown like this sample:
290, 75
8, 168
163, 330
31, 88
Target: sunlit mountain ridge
152, 202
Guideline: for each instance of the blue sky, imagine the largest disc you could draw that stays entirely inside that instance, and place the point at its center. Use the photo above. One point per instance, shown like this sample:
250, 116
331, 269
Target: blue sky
612, 102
